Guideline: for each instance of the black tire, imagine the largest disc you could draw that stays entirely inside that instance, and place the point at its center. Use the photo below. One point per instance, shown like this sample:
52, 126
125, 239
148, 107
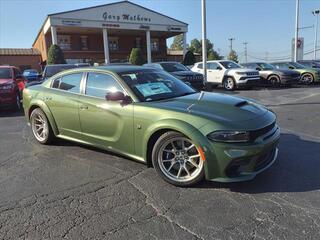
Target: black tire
310, 77
50, 135
229, 84
208, 87
17, 105
159, 145
274, 80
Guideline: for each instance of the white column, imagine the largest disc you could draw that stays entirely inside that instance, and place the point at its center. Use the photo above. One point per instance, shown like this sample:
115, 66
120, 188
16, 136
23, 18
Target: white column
148, 46
184, 44
106, 46
54, 35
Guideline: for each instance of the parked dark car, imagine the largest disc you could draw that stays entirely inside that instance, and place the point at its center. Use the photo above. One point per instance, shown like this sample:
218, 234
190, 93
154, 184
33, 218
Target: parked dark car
181, 72
271, 75
11, 85
31, 75
310, 63
53, 69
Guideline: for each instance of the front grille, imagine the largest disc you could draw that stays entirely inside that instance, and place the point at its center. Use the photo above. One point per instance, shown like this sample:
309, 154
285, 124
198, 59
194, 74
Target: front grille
252, 74
258, 133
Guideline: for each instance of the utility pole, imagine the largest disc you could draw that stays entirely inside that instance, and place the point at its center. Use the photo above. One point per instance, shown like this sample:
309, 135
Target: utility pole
246, 51
231, 40
204, 39
296, 32
316, 14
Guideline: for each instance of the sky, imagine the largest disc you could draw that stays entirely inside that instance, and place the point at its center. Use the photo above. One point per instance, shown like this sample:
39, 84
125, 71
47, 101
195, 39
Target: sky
267, 25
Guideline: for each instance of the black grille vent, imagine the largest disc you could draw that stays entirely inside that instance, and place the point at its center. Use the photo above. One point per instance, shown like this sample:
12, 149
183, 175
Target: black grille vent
257, 133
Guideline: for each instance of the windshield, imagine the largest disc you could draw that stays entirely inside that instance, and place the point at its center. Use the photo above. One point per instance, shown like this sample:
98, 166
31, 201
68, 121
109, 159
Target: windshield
52, 70
28, 72
153, 85
229, 64
297, 65
5, 73
265, 66
174, 67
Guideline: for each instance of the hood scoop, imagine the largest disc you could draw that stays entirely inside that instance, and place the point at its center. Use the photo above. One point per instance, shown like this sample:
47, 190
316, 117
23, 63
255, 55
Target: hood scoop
240, 104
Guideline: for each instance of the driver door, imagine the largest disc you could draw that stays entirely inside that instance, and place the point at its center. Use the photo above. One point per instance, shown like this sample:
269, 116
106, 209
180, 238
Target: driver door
105, 123
215, 72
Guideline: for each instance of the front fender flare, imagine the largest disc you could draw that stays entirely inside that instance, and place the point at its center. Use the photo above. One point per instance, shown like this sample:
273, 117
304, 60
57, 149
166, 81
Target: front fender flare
176, 125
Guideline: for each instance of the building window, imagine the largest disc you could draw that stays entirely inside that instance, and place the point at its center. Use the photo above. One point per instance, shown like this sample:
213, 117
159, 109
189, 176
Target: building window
84, 42
113, 44
154, 44
138, 42
64, 42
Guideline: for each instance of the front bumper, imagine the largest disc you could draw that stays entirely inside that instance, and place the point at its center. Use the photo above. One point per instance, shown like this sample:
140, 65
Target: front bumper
248, 81
227, 162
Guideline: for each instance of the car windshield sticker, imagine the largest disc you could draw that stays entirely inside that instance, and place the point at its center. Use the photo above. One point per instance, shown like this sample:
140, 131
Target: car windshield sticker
149, 89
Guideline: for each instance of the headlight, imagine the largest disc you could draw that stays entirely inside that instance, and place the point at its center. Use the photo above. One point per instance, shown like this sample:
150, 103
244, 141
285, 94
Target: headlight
241, 73
7, 87
229, 136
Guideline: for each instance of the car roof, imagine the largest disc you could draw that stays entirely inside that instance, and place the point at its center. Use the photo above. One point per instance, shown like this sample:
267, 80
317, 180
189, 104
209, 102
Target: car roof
116, 68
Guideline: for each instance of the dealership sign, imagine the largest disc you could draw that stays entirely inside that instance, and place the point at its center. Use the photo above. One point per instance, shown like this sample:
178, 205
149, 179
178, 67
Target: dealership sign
125, 17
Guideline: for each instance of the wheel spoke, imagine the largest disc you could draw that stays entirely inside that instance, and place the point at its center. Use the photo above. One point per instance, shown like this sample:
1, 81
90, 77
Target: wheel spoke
179, 172
168, 160
192, 163
187, 171
190, 147
172, 164
194, 156
173, 146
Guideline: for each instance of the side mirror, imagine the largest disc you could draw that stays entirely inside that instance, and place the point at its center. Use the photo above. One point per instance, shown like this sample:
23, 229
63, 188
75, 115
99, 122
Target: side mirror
118, 96
219, 68
258, 69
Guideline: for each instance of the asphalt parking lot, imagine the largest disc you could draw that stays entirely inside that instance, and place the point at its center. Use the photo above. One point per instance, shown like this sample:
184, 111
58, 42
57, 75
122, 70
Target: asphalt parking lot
75, 192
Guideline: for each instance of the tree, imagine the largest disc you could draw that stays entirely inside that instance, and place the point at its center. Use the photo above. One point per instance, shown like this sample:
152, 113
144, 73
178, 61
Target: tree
189, 59
177, 43
195, 46
136, 57
233, 56
55, 55
213, 55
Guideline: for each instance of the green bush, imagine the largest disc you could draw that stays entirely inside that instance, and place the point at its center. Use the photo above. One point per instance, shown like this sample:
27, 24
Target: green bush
136, 57
189, 59
55, 55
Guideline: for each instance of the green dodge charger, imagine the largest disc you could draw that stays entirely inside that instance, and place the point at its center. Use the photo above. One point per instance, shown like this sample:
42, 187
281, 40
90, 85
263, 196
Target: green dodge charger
152, 117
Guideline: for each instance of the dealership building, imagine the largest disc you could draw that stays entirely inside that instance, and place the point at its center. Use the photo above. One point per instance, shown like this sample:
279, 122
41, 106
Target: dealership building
107, 33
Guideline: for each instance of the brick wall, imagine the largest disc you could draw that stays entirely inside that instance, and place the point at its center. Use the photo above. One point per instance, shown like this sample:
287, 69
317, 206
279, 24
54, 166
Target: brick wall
21, 62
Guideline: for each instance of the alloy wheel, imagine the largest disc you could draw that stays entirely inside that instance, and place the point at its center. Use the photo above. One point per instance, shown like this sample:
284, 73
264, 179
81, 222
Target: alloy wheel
229, 84
179, 160
307, 78
40, 127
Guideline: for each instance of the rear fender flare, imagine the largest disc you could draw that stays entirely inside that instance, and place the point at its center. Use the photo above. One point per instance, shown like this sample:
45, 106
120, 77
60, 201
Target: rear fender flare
43, 106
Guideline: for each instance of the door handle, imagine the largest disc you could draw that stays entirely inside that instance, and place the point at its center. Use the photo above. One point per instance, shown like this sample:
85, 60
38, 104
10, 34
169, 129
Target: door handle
83, 107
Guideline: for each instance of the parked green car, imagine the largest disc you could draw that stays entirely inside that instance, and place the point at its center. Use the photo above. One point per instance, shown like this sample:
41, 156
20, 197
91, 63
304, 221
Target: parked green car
308, 75
152, 117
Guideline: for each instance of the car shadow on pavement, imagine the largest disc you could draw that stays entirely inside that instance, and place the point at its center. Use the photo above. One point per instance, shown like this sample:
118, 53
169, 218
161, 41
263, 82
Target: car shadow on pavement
297, 169
11, 113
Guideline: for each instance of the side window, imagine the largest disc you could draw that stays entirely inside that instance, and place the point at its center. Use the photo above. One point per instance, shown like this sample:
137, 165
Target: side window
212, 66
200, 65
98, 85
70, 83
16, 72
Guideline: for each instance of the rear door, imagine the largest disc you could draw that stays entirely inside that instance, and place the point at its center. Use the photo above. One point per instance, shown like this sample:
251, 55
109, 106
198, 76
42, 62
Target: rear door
106, 123
63, 101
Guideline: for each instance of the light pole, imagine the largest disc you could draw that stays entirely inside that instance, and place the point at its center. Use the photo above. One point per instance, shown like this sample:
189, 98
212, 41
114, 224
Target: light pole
246, 51
316, 14
231, 40
204, 39
296, 32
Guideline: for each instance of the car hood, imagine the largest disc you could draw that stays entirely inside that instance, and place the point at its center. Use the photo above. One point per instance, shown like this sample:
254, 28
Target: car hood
6, 81
214, 106
185, 73
280, 71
